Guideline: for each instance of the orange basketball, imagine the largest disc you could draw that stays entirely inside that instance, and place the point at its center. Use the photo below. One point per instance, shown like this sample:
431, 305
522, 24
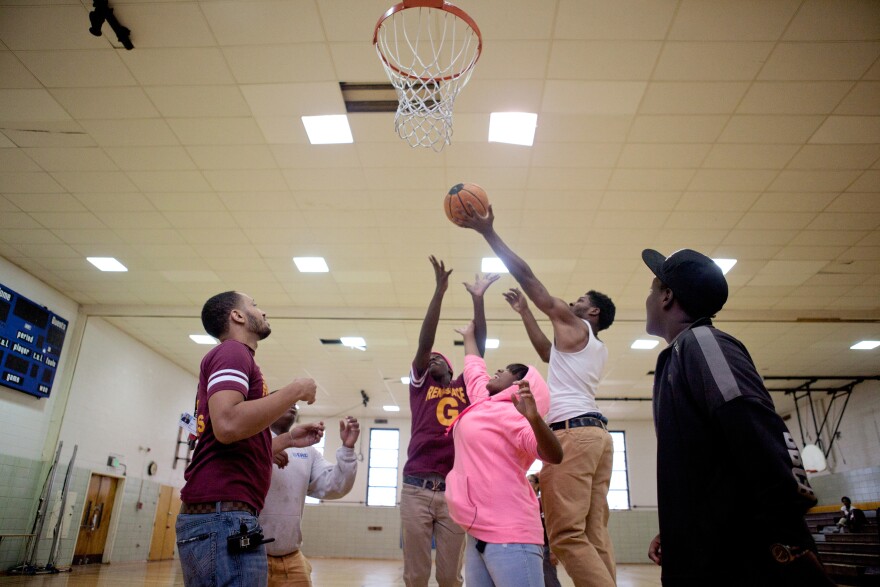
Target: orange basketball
462, 194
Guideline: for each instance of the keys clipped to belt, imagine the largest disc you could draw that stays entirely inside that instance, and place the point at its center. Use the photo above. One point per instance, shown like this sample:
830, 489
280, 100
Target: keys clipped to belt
246, 541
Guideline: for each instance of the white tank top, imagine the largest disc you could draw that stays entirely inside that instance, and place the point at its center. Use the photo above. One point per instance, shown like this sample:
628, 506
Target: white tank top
573, 379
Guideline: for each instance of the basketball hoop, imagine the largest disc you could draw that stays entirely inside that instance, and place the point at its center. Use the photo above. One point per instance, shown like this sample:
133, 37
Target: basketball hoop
428, 49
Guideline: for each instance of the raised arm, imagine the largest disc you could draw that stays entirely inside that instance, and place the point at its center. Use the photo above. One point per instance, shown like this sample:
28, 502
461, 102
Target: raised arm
477, 289
549, 449
470, 342
520, 305
557, 309
329, 481
432, 316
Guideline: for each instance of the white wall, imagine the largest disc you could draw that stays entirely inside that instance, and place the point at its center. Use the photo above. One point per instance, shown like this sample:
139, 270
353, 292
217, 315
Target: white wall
125, 397
25, 419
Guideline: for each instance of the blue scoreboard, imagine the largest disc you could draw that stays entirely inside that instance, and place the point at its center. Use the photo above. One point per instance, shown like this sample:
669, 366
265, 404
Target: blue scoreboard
31, 337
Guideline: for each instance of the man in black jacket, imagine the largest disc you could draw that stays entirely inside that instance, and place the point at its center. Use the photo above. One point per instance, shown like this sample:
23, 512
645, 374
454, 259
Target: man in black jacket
731, 487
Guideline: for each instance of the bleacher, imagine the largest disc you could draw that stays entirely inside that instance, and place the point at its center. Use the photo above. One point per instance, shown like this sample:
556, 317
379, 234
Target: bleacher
852, 558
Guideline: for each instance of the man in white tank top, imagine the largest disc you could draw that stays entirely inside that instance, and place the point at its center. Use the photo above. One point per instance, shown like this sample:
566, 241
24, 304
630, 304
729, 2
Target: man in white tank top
575, 492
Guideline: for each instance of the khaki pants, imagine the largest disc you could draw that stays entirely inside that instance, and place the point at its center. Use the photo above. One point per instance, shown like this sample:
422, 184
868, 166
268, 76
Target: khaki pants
423, 514
292, 570
575, 496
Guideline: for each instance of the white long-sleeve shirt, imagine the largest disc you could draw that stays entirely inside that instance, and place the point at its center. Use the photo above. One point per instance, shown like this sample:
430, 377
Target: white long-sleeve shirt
307, 473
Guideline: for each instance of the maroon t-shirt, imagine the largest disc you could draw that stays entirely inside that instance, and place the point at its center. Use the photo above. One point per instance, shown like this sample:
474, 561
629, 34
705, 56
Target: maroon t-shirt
433, 408
242, 470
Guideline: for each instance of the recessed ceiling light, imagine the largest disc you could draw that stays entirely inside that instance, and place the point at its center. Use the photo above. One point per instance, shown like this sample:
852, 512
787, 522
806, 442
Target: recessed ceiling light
311, 264
202, 339
391, 408
328, 130
404, 380
355, 342
106, 263
515, 128
865, 345
644, 343
492, 343
725, 264
493, 265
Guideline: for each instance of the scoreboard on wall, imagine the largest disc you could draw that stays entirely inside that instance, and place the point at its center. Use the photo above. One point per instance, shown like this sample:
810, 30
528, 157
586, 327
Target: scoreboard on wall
31, 337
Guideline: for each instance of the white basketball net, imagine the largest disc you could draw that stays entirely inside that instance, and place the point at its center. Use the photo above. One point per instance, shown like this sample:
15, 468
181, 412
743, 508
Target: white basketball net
429, 55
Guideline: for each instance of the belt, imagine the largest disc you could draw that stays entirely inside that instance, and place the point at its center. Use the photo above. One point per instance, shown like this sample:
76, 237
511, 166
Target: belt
426, 483
577, 422
214, 507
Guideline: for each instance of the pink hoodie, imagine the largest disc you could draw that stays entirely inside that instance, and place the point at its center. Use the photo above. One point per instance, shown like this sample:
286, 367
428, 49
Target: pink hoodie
487, 491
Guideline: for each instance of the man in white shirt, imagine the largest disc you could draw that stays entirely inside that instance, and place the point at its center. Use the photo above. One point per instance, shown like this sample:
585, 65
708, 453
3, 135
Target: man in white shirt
575, 492
303, 472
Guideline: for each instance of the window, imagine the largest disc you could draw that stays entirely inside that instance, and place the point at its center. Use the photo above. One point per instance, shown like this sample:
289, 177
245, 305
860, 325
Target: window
382, 466
618, 494
320, 448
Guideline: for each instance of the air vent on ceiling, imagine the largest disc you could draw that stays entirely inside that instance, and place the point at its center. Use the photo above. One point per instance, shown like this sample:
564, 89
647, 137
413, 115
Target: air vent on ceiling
651, 373
331, 341
380, 421
459, 343
368, 97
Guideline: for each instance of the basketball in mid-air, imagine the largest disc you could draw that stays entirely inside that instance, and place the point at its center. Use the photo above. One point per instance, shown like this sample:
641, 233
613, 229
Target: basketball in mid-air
461, 194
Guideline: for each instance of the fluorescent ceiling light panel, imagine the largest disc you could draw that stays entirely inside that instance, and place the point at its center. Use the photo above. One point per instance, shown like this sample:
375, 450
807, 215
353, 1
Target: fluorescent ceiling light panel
865, 345
391, 408
725, 264
107, 264
493, 265
492, 343
202, 339
515, 128
355, 342
404, 380
328, 130
644, 343
311, 264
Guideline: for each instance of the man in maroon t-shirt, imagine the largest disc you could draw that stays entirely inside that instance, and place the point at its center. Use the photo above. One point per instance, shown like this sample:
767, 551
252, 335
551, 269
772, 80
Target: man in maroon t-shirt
435, 399
231, 468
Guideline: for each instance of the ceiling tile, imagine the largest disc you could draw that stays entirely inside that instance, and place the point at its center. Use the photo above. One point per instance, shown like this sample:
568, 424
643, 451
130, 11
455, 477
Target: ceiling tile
864, 99
835, 157
549, 178
827, 237
749, 156
577, 127
356, 62
769, 129
509, 60
47, 27
115, 202
240, 22
834, 20
599, 60
16, 160
731, 180
15, 75
570, 155
28, 183
771, 220
646, 179
150, 158
581, 97
130, 133
190, 201
278, 64
869, 181
677, 129
793, 202
217, 131
76, 159
232, 157
168, 181
307, 99
720, 201
24, 105
181, 66
792, 97
104, 103
692, 97
237, 180
711, 61
165, 24
198, 101
732, 20
848, 129
595, 19
500, 96
46, 202
663, 155
841, 221
77, 69
812, 181
819, 61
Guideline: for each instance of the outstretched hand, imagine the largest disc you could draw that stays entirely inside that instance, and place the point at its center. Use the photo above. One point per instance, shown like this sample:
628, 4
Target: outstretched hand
307, 434
467, 329
516, 299
441, 275
524, 401
473, 219
654, 552
349, 431
481, 284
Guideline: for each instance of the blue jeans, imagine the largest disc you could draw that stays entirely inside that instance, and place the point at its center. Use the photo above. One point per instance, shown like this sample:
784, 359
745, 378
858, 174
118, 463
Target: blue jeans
205, 559
503, 565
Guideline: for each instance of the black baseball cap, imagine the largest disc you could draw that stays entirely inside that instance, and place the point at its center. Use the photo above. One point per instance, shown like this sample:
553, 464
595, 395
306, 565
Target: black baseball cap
696, 280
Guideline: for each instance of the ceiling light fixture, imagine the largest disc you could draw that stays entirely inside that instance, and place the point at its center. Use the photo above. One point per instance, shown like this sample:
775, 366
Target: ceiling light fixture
391, 408
328, 130
644, 344
311, 264
202, 339
354, 342
865, 345
107, 264
514, 128
493, 265
492, 343
725, 264
404, 380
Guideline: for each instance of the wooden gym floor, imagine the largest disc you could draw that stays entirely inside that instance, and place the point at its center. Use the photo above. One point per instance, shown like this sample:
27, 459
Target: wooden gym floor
326, 572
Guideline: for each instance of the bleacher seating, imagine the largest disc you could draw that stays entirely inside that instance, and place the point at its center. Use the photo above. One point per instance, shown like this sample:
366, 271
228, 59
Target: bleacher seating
852, 558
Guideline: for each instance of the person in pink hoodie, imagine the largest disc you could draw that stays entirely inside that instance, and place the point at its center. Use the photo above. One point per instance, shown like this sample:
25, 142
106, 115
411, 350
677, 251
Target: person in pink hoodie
497, 438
